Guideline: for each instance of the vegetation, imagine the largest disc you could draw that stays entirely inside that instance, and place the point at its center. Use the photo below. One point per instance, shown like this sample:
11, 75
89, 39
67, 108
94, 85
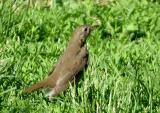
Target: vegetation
124, 66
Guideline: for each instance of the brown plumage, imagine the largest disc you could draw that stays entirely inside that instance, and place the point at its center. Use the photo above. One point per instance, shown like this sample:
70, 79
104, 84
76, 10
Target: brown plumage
69, 65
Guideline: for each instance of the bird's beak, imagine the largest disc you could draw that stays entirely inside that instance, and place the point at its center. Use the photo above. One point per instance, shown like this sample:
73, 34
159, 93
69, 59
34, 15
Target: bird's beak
94, 27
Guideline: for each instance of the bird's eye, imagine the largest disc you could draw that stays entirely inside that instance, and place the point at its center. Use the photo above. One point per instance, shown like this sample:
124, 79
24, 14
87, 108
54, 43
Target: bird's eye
86, 29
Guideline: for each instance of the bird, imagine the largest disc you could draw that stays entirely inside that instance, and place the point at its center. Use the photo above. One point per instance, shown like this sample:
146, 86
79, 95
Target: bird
73, 61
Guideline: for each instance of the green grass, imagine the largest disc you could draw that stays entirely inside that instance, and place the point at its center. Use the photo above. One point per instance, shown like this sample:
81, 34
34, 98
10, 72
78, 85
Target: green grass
124, 57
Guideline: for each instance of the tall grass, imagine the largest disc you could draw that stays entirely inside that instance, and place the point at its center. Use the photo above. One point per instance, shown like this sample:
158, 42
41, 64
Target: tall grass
124, 64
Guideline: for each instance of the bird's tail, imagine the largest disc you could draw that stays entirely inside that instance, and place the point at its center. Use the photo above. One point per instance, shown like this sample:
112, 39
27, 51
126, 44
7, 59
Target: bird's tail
39, 85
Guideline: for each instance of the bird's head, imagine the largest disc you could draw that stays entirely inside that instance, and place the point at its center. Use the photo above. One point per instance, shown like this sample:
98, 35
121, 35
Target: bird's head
82, 32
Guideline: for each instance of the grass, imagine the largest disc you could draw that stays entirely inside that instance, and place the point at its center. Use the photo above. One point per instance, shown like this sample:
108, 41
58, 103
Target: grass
124, 66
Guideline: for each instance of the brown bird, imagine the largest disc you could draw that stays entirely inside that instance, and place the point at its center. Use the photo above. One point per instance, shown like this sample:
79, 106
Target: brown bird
69, 65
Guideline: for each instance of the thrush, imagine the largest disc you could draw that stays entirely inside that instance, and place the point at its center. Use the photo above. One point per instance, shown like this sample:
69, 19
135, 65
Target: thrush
73, 61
